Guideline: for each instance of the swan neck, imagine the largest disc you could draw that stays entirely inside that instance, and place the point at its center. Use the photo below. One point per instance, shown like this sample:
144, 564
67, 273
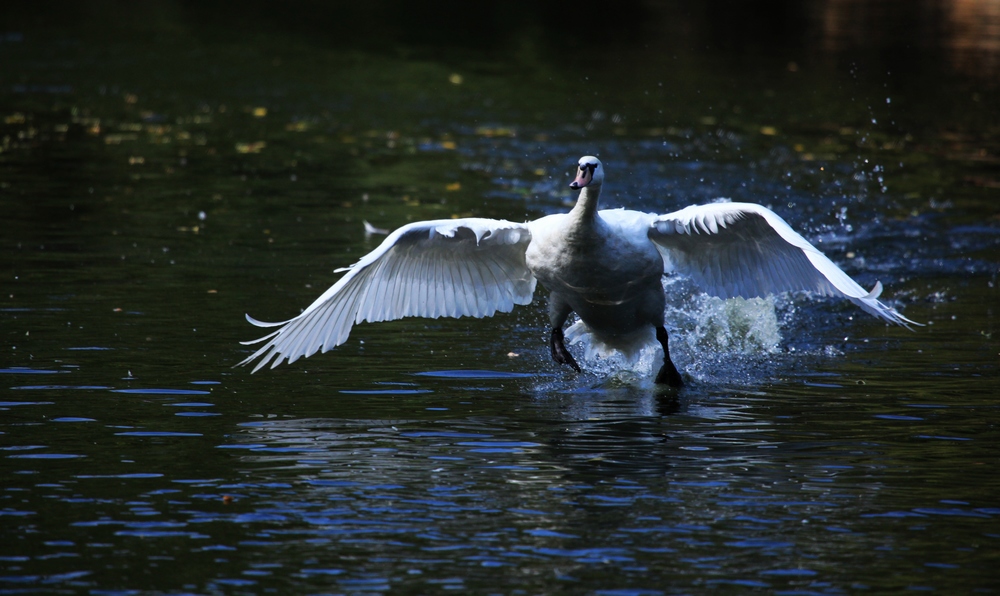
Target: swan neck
586, 204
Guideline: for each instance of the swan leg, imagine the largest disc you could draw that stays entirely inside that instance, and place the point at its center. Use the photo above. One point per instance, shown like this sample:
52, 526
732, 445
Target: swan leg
668, 374
559, 311
559, 352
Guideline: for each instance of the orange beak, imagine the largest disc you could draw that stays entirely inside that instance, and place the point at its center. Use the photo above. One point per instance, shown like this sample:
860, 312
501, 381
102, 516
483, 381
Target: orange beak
583, 178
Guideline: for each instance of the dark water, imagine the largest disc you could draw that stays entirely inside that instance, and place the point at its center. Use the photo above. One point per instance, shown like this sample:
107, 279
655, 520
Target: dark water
166, 168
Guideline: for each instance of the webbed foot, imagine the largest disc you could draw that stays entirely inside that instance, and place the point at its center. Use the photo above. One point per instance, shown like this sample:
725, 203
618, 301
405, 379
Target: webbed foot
559, 352
668, 374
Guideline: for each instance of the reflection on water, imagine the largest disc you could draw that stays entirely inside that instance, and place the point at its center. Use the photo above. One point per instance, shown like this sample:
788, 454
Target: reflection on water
165, 167
968, 30
730, 489
974, 40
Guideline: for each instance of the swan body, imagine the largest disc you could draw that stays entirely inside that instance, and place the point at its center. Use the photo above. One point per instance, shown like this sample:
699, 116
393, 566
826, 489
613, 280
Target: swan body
604, 265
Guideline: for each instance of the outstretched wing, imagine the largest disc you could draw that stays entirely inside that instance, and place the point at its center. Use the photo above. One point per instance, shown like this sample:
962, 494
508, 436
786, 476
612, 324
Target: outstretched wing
445, 268
746, 250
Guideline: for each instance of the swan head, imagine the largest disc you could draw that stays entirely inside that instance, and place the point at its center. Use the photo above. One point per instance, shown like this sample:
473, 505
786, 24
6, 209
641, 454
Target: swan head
589, 172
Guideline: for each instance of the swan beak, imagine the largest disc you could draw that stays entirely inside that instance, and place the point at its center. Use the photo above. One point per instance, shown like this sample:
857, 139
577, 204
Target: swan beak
583, 178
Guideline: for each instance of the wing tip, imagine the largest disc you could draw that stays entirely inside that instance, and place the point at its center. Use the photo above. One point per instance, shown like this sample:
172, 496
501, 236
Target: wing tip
259, 323
371, 230
887, 312
266, 354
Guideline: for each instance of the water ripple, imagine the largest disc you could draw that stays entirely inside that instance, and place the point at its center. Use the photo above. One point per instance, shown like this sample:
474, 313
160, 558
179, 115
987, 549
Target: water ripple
475, 374
156, 433
162, 391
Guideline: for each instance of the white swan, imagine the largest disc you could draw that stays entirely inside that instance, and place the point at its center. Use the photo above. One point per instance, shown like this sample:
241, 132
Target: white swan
604, 265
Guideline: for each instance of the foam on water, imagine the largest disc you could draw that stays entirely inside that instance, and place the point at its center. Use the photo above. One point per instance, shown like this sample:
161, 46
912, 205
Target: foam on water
710, 339
724, 339
735, 326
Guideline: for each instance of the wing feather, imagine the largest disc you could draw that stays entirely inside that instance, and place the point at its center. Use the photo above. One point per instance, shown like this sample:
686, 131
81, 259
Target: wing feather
742, 249
495, 272
462, 302
464, 273
463, 267
375, 297
475, 270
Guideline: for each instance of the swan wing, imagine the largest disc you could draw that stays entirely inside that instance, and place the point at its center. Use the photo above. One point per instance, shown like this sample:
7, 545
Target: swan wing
445, 268
746, 250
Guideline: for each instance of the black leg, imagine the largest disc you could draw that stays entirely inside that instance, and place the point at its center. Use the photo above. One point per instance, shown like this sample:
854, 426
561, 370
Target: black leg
668, 374
559, 352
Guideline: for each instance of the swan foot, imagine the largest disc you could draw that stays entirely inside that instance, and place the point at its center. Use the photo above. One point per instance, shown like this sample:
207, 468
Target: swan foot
668, 374
559, 352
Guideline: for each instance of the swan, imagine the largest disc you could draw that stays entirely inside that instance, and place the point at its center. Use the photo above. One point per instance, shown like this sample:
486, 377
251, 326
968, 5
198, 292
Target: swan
606, 266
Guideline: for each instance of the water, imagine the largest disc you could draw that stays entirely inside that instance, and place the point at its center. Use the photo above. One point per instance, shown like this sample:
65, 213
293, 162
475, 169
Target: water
166, 170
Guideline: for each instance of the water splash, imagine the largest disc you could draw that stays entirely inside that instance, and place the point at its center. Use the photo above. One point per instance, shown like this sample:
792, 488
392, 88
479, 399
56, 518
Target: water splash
710, 339
725, 340
737, 325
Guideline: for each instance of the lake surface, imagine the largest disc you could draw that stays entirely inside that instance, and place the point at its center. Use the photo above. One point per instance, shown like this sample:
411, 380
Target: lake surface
166, 168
